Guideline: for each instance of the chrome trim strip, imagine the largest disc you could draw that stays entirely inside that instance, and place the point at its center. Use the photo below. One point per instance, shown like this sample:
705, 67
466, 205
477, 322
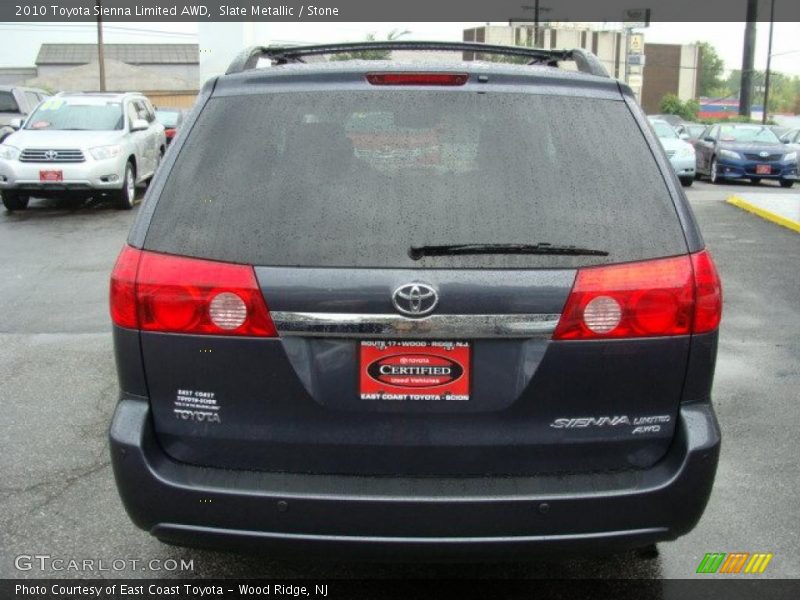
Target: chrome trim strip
357, 325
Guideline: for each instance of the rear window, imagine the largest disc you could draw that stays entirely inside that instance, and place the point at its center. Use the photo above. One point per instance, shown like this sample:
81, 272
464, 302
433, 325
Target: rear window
8, 103
356, 178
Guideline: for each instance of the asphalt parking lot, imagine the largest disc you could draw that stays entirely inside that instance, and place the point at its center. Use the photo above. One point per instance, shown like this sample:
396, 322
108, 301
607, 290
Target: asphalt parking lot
57, 495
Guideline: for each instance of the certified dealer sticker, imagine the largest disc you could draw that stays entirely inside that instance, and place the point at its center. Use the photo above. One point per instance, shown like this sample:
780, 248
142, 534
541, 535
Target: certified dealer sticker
414, 371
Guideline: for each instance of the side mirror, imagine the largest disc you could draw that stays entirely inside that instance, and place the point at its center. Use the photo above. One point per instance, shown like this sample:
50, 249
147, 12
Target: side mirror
16, 124
785, 140
139, 125
684, 136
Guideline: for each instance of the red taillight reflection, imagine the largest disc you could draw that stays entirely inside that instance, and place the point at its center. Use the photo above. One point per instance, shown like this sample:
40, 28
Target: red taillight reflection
671, 296
417, 78
176, 294
122, 296
708, 302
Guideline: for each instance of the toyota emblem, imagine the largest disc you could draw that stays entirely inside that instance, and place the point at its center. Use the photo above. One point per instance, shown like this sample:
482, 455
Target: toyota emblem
51, 155
415, 299
763, 154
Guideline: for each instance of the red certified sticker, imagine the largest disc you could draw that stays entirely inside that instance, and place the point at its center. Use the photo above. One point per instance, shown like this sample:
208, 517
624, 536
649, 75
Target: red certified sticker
403, 370
763, 169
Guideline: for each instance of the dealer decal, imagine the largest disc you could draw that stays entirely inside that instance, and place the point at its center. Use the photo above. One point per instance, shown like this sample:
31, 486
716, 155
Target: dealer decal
414, 370
197, 406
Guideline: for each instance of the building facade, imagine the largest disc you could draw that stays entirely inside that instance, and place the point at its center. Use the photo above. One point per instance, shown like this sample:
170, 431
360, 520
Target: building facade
670, 69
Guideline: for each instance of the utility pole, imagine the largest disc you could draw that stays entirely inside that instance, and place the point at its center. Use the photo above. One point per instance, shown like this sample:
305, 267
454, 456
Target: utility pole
748, 59
537, 10
769, 62
100, 58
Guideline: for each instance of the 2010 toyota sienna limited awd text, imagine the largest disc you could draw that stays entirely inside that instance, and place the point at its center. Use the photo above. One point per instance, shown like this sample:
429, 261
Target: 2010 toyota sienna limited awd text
461, 308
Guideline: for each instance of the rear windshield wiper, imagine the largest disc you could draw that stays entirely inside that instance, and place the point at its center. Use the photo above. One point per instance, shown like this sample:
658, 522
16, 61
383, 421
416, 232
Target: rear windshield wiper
418, 252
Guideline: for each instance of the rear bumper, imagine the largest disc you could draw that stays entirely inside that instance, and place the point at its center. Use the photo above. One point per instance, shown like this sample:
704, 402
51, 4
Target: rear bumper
371, 516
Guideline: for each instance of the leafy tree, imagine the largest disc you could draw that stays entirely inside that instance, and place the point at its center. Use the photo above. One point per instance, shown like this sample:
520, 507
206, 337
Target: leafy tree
784, 90
711, 66
672, 105
372, 54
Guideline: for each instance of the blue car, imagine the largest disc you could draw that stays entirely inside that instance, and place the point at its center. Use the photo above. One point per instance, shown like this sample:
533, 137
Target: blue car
744, 151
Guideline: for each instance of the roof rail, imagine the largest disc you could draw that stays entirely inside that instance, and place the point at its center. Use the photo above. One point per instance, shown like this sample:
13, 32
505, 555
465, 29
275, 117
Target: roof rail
248, 59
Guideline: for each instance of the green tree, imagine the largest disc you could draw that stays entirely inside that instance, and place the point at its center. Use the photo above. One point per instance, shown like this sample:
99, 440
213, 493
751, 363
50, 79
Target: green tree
372, 54
784, 90
711, 68
672, 105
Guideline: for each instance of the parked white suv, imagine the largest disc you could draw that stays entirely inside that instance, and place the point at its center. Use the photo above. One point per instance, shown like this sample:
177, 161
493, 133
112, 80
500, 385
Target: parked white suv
78, 145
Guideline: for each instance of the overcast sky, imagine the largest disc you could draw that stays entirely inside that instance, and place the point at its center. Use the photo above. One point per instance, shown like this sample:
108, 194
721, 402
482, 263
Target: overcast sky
19, 42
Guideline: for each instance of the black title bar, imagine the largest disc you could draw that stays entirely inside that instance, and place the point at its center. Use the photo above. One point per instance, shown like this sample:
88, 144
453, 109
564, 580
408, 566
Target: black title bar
634, 12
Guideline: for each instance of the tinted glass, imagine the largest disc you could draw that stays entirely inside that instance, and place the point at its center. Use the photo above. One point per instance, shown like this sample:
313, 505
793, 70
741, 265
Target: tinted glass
664, 130
77, 114
33, 99
168, 118
356, 178
746, 133
695, 131
8, 103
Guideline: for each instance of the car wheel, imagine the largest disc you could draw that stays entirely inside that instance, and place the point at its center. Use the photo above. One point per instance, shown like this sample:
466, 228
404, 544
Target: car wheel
125, 196
687, 181
755, 180
713, 174
786, 183
14, 201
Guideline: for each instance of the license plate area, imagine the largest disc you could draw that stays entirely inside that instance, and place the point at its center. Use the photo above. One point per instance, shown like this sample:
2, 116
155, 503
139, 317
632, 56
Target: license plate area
51, 175
414, 371
763, 169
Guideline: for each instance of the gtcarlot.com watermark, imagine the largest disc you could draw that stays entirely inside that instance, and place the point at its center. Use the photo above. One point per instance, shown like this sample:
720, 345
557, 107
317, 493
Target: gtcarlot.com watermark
58, 564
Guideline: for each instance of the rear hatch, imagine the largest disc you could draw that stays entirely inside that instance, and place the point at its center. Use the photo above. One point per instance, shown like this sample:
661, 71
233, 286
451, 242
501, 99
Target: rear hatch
415, 249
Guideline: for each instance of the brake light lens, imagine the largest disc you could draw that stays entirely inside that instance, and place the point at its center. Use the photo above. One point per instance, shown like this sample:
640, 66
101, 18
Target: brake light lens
417, 78
159, 292
122, 296
708, 292
664, 297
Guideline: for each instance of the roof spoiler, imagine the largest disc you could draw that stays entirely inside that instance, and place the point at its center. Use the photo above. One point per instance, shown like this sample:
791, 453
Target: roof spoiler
248, 58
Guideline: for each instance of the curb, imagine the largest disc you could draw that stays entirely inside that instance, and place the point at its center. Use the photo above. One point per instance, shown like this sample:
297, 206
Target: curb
764, 213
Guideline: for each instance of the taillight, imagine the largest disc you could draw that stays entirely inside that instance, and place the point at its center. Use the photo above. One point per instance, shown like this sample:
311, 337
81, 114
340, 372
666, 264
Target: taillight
187, 295
671, 296
122, 297
417, 78
170, 133
708, 292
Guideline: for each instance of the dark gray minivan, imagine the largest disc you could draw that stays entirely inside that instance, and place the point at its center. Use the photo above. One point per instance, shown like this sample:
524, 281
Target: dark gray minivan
425, 307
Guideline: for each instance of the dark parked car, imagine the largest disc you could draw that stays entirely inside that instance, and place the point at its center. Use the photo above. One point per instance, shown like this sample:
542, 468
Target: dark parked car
744, 151
171, 119
368, 307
